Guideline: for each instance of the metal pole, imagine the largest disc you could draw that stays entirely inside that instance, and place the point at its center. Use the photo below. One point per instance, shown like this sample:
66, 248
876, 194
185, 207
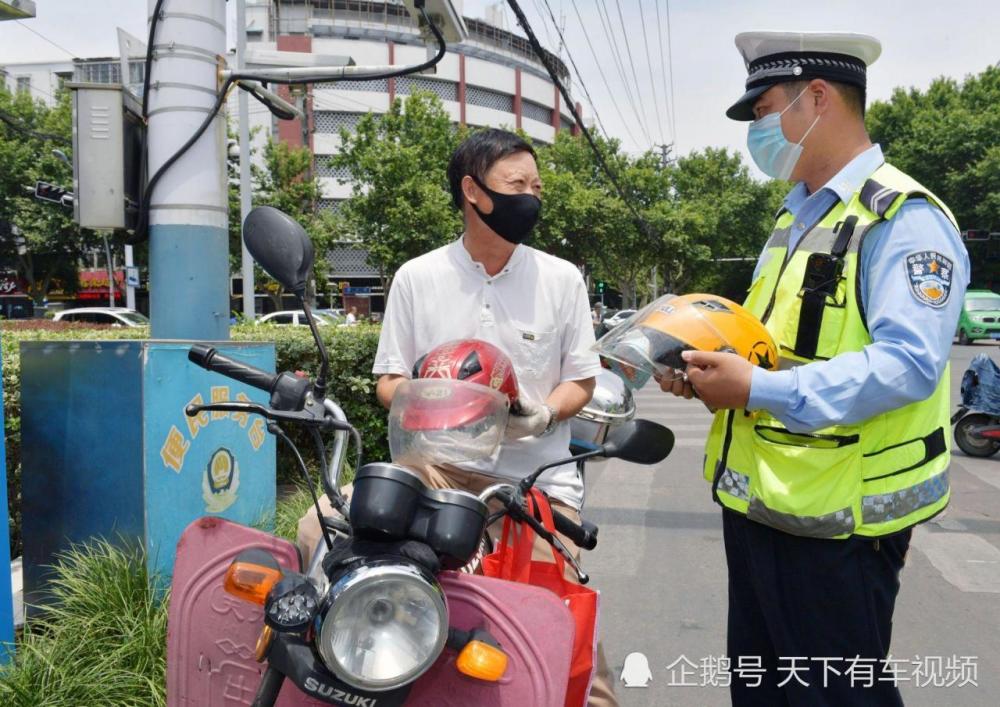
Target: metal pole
249, 286
189, 244
111, 270
129, 289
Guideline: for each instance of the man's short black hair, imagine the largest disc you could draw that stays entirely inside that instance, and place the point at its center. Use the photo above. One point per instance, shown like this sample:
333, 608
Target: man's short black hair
478, 153
853, 96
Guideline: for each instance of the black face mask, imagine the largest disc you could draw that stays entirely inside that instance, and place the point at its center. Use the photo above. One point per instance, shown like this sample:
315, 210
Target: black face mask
514, 215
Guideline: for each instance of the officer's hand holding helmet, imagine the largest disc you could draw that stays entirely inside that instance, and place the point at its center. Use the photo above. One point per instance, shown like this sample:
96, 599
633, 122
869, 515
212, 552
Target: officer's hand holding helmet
651, 342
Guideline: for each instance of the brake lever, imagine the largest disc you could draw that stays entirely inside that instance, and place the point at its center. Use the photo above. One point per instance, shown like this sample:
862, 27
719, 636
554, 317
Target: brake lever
305, 416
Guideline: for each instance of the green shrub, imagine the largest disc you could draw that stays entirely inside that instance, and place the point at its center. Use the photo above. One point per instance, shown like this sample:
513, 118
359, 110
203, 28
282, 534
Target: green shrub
351, 384
102, 641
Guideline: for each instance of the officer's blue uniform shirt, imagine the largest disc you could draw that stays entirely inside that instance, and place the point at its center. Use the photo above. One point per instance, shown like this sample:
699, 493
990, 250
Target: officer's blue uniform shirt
911, 339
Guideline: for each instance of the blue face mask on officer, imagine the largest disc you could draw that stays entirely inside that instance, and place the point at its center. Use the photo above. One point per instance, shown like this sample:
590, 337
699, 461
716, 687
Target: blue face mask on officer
774, 155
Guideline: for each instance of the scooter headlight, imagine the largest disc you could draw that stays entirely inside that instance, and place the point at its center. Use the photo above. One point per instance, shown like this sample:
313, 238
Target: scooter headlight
385, 627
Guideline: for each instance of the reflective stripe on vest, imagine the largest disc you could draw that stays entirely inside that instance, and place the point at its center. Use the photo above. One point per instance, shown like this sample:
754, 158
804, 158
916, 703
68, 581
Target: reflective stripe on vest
872, 478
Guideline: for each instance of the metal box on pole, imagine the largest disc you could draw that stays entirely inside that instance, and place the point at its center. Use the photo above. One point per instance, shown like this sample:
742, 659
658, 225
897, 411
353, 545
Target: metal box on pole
107, 156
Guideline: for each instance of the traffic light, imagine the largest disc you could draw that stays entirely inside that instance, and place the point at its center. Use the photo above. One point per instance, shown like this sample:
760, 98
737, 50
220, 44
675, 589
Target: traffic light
975, 235
600, 287
53, 193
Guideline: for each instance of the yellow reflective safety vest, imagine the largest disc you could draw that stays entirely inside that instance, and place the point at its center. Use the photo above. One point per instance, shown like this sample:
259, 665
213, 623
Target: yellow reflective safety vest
872, 478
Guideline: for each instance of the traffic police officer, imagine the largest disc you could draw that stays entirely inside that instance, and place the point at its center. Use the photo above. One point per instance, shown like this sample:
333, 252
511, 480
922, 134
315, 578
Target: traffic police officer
823, 467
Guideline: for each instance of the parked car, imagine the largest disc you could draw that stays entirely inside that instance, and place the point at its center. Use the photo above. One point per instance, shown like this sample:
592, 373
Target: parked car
115, 316
980, 318
618, 317
336, 315
295, 317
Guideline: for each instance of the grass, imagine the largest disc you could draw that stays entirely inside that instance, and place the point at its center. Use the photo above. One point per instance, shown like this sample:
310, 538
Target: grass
102, 641
288, 511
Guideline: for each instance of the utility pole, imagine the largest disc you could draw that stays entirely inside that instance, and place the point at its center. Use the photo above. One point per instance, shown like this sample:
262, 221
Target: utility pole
249, 285
111, 269
666, 155
130, 272
188, 241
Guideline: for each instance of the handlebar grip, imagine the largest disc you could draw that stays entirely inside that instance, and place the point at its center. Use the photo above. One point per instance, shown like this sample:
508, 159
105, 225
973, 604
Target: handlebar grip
583, 535
211, 360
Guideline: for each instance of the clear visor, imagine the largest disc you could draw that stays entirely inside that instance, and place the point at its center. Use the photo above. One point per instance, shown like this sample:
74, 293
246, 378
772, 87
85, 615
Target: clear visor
643, 346
445, 421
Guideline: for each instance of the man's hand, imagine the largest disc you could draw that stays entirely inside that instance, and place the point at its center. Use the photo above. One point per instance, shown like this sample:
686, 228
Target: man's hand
722, 380
527, 419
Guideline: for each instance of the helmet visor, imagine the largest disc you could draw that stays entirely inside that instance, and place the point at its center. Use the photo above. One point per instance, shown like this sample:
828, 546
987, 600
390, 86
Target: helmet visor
651, 341
438, 420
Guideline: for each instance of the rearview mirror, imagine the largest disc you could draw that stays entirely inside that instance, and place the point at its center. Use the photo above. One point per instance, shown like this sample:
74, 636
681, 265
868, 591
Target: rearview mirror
279, 245
639, 442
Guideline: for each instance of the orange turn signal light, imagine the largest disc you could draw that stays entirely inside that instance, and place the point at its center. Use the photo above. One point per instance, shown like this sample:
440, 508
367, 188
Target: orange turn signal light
250, 581
482, 661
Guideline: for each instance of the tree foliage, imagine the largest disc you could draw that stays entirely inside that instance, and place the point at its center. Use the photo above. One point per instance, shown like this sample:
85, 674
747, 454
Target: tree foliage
946, 138
284, 180
693, 212
49, 244
400, 205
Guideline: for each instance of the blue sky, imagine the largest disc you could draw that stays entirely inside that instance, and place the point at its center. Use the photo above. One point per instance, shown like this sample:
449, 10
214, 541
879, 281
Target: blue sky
922, 39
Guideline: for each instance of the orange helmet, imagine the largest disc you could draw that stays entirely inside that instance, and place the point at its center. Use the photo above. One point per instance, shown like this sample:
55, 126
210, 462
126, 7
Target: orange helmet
651, 340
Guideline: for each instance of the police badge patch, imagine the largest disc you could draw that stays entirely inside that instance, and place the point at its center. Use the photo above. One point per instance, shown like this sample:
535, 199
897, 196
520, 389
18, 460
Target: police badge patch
929, 274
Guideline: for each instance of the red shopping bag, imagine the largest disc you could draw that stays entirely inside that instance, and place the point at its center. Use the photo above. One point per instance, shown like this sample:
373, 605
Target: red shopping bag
512, 561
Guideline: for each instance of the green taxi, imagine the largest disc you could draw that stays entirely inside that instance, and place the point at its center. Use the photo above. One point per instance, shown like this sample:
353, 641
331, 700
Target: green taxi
980, 317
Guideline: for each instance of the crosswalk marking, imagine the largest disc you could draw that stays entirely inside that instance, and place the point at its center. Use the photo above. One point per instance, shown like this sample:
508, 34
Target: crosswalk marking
967, 561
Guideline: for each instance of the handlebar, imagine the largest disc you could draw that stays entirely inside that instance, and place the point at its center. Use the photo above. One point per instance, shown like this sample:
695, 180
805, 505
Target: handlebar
211, 360
583, 534
288, 391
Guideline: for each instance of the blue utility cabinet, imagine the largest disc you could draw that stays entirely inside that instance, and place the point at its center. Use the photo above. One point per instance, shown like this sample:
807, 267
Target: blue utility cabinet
108, 452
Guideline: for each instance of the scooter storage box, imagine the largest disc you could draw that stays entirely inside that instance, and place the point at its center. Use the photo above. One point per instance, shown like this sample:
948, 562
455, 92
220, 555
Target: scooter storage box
108, 452
391, 503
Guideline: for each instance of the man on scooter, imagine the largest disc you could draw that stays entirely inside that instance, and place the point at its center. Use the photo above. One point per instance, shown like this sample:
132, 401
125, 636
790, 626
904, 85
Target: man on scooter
488, 285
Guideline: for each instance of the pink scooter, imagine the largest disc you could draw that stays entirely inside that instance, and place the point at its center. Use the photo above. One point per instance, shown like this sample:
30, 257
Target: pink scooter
382, 616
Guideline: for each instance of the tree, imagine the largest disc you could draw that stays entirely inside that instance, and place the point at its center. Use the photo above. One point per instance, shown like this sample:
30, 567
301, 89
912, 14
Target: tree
585, 220
285, 181
400, 205
732, 216
702, 208
945, 138
44, 245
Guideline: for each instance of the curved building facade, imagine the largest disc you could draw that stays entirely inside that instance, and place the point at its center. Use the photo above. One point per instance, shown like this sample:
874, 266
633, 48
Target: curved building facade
492, 79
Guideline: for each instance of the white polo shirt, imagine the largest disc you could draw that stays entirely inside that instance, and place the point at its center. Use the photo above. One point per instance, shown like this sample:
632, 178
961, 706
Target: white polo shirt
536, 310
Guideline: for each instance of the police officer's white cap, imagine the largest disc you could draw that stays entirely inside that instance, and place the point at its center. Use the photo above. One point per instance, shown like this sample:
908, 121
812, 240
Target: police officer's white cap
777, 57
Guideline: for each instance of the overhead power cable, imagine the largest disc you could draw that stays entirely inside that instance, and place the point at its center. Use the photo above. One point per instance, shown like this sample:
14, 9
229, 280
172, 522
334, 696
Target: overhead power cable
607, 85
668, 98
572, 62
39, 34
670, 60
649, 67
609, 34
545, 59
628, 49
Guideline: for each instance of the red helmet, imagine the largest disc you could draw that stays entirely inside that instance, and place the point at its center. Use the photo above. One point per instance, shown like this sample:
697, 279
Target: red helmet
470, 360
451, 406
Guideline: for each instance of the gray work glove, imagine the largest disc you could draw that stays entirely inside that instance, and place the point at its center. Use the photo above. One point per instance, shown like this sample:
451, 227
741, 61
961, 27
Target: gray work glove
528, 419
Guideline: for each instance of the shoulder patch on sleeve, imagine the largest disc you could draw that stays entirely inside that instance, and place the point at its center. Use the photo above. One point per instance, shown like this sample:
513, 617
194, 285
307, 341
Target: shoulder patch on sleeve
930, 275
